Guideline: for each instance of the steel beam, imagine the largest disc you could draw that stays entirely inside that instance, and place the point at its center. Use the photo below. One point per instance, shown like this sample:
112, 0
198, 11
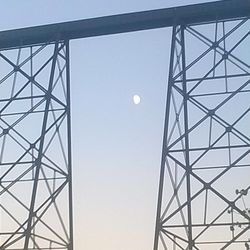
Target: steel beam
192, 14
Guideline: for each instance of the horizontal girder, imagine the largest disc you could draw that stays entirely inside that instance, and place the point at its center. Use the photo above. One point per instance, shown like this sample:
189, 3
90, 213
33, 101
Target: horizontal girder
191, 14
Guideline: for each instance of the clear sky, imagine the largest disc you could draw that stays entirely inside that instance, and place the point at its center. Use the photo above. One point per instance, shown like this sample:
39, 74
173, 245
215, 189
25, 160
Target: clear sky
116, 144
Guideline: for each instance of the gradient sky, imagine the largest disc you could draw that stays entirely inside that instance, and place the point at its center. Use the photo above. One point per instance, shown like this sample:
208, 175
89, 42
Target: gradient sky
116, 144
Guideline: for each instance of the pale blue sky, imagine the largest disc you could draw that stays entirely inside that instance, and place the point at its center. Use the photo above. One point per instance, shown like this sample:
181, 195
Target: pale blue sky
29, 13
116, 145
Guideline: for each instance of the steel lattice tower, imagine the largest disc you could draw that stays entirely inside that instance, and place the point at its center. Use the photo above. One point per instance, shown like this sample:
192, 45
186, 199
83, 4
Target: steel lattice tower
35, 156
205, 167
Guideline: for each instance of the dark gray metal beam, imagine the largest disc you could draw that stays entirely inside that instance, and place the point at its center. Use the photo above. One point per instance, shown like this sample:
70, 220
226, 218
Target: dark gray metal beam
192, 14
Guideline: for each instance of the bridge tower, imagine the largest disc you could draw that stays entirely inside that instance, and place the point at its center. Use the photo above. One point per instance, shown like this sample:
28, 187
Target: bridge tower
35, 143
205, 165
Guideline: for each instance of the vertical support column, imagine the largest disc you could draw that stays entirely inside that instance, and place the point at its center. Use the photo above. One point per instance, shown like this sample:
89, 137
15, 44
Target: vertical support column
186, 127
158, 223
177, 64
38, 161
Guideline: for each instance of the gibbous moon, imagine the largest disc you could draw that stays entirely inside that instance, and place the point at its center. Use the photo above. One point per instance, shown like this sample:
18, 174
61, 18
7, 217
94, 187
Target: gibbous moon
136, 99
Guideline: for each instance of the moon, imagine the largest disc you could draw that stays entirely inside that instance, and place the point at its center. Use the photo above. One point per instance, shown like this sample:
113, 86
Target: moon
136, 99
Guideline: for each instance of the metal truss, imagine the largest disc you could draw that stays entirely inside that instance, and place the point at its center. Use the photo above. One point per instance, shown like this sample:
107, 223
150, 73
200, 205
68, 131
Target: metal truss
205, 168
35, 148
203, 200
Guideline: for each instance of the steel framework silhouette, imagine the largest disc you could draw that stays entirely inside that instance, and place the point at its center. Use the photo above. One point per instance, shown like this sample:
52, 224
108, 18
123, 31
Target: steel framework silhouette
206, 139
35, 156
206, 144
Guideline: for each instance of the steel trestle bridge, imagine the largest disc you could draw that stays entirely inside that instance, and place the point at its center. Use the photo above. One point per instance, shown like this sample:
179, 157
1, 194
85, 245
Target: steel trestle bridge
206, 141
